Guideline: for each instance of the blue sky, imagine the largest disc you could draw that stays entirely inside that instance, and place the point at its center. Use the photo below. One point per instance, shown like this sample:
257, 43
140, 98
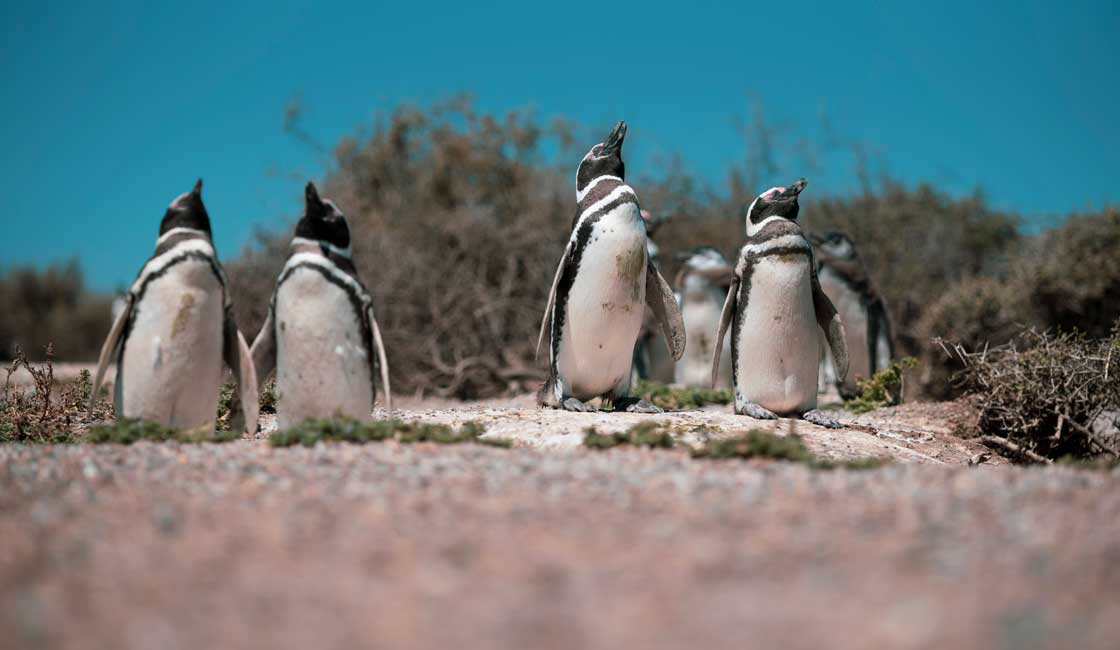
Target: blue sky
110, 112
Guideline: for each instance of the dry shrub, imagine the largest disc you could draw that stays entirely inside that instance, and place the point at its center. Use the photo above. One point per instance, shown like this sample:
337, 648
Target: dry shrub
45, 415
458, 221
51, 305
1039, 396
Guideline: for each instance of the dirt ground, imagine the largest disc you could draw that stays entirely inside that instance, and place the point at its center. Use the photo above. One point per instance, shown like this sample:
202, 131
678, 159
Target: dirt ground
551, 545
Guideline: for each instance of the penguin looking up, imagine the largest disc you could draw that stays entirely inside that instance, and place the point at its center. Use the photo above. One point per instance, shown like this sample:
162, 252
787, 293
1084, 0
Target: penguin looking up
702, 285
320, 335
867, 327
777, 310
602, 283
175, 329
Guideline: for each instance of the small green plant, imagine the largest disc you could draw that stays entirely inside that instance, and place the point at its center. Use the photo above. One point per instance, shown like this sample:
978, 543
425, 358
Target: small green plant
671, 398
884, 389
49, 414
644, 434
757, 443
341, 429
126, 431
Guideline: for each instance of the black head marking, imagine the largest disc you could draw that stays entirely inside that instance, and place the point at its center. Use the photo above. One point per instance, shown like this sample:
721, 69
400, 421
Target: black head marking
322, 221
777, 202
604, 159
187, 211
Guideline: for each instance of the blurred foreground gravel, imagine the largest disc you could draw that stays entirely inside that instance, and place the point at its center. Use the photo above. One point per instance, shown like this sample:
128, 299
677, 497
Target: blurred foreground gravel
425, 546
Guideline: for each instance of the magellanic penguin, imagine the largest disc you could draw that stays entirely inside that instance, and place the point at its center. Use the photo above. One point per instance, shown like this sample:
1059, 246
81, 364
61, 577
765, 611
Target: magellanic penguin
776, 308
867, 325
602, 283
702, 285
652, 359
320, 335
176, 328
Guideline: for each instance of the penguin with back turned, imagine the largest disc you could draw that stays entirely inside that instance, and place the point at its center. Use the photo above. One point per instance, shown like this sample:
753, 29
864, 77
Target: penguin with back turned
176, 328
320, 335
702, 286
602, 283
777, 309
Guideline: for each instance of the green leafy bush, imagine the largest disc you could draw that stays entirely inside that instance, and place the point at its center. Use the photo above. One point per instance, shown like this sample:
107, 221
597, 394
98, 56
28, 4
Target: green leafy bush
886, 388
678, 398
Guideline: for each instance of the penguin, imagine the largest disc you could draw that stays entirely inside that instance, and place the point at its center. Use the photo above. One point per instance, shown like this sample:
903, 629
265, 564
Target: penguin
702, 285
867, 324
176, 328
652, 361
320, 335
776, 309
603, 280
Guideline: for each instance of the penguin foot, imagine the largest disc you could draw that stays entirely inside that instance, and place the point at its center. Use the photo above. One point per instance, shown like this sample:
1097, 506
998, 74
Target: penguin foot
573, 404
819, 418
635, 405
755, 411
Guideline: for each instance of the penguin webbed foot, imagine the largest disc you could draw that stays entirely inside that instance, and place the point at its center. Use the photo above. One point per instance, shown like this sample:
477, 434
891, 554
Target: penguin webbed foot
573, 404
755, 411
636, 405
819, 418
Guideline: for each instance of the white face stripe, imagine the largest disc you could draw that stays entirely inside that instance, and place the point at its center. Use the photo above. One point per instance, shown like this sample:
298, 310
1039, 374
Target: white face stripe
595, 181
594, 207
324, 263
303, 241
158, 263
179, 231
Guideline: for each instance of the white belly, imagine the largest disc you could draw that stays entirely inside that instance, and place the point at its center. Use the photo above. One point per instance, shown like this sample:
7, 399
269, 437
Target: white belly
605, 307
778, 342
701, 325
322, 365
172, 362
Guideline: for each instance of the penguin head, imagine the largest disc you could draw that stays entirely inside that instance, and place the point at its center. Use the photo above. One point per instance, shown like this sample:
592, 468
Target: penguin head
187, 211
323, 223
704, 267
835, 246
604, 159
653, 224
778, 202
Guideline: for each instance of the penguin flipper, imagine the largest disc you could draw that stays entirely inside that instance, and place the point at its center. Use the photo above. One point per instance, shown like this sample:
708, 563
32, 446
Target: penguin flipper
383, 361
829, 320
263, 350
235, 352
724, 321
660, 298
108, 351
547, 318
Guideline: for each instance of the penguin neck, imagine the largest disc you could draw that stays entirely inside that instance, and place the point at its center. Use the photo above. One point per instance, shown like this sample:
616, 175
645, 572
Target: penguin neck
585, 190
305, 245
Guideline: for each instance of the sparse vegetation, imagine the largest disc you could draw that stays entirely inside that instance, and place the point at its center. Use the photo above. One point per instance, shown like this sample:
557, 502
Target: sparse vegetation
51, 306
679, 398
341, 429
886, 388
755, 443
49, 414
1040, 395
644, 434
126, 431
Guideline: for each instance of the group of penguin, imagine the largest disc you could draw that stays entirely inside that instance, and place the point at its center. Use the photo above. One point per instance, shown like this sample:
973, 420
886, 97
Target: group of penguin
321, 338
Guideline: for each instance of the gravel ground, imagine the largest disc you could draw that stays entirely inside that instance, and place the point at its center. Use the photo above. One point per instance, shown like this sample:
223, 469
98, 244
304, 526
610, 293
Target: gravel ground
426, 546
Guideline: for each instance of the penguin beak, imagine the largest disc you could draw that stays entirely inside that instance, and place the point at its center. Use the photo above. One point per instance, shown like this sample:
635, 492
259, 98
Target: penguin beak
793, 190
613, 143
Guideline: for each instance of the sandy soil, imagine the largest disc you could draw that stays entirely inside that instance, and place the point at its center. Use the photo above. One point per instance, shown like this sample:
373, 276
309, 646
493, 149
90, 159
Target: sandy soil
551, 545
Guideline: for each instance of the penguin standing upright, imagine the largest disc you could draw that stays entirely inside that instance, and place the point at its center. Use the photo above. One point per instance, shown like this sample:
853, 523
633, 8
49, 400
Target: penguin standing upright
702, 285
175, 329
652, 360
320, 335
867, 325
602, 283
776, 309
